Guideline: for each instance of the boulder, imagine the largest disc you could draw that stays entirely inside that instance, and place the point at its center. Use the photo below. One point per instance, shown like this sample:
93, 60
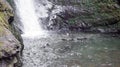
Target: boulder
10, 47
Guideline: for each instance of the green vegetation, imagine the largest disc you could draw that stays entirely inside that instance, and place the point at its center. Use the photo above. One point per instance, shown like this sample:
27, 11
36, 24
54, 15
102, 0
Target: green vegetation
101, 12
5, 13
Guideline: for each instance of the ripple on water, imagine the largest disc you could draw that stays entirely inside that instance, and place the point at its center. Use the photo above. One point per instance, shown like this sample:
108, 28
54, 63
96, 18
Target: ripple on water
95, 51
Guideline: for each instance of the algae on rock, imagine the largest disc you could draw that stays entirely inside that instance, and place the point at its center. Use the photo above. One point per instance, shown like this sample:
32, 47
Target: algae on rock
88, 15
10, 47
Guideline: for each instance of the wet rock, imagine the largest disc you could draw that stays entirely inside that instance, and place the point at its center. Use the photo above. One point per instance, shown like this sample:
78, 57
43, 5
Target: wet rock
43, 46
118, 1
83, 38
67, 39
47, 44
10, 47
71, 39
10, 20
78, 16
64, 39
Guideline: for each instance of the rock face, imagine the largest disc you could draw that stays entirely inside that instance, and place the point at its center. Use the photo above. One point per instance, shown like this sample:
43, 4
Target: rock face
86, 15
10, 47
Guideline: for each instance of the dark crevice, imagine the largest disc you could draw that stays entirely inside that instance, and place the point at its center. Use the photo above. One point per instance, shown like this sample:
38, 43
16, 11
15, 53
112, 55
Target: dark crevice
11, 19
118, 1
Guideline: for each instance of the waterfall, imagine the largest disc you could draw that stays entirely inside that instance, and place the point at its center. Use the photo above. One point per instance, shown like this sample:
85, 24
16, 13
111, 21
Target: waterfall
29, 18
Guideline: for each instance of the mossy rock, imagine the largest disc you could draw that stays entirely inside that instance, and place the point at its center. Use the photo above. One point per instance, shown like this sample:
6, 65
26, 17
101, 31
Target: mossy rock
9, 45
91, 13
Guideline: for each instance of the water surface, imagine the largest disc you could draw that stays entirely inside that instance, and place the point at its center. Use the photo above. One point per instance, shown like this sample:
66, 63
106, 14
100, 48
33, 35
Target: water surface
73, 50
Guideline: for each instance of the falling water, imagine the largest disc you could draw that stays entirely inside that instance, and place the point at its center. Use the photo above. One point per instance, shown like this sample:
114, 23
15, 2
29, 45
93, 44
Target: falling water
29, 19
59, 50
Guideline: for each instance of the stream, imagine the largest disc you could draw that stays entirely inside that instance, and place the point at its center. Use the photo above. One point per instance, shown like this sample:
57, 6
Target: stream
51, 49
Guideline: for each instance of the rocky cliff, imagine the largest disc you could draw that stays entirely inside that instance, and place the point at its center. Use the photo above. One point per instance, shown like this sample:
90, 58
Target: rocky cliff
10, 47
87, 15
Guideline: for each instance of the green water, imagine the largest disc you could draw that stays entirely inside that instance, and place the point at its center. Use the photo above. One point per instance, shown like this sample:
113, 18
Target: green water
74, 50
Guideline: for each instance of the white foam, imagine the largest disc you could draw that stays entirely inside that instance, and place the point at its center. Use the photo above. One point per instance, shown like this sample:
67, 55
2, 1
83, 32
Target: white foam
29, 18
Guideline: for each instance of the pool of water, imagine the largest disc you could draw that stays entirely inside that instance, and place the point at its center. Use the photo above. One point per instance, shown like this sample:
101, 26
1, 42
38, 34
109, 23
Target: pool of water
73, 50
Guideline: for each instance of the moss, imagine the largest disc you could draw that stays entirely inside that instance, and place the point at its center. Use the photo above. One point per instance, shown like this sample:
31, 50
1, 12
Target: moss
5, 13
3, 24
1, 32
3, 20
9, 1
1, 44
102, 12
72, 20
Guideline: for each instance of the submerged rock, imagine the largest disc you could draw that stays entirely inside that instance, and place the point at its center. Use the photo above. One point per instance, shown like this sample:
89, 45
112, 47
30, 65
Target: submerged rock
82, 38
